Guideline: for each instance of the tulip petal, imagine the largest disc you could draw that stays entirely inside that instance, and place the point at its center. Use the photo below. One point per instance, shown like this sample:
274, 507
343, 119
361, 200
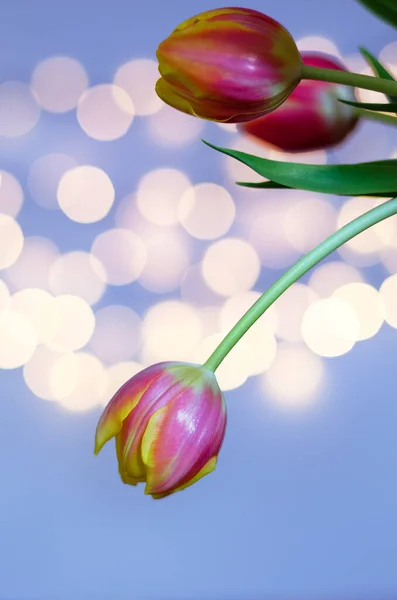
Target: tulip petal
208, 468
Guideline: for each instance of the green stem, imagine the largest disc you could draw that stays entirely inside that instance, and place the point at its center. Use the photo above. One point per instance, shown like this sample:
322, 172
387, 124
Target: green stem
376, 116
366, 82
343, 235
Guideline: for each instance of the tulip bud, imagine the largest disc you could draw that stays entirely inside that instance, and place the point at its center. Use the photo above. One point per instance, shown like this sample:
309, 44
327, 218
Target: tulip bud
228, 65
312, 117
169, 422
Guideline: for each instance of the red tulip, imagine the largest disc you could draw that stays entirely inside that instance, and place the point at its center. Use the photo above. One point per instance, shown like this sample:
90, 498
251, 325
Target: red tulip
312, 117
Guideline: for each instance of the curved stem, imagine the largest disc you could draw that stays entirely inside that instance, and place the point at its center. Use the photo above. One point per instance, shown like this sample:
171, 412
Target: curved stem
376, 116
340, 237
367, 82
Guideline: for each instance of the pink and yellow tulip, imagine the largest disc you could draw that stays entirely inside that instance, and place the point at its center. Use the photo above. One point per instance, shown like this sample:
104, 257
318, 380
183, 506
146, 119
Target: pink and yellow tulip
312, 117
169, 422
228, 65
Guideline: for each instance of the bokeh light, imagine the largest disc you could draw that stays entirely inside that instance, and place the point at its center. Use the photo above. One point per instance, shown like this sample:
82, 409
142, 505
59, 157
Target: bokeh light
11, 194
118, 375
158, 195
318, 43
206, 211
230, 265
168, 127
388, 57
18, 339
367, 304
388, 294
138, 78
36, 372
11, 241
295, 377
44, 177
306, 210
330, 327
31, 270
122, 254
58, 83
105, 112
167, 260
19, 110
290, 308
171, 331
37, 306
80, 274
195, 290
329, 276
78, 381
75, 323
117, 335
4, 296
85, 194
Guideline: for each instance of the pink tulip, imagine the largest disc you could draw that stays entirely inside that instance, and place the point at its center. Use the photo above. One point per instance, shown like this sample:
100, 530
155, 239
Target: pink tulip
169, 422
228, 65
312, 117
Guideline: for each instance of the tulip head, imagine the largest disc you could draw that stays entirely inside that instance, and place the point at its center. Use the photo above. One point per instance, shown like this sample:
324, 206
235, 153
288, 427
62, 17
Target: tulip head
312, 117
169, 422
228, 65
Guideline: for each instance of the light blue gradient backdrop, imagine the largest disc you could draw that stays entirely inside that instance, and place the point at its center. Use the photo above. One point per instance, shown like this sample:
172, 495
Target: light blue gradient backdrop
302, 506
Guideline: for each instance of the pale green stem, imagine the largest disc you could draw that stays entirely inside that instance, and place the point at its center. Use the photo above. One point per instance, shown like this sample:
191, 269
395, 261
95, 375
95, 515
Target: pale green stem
376, 116
340, 237
366, 82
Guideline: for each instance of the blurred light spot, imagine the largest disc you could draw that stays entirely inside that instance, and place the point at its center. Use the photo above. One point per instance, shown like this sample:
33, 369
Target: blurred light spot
59, 82
363, 250
195, 290
294, 378
316, 157
230, 127
290, 308
80, 274
354, 62
85, 194
171, 331
388, 294
78, 381
367, 304
4, 296
158, 195
167, 261
36, 372
75, 323
105, 112
230, 375
230, 266
318, 43
236, 170
209, 317
44, 177
138, 78
206, 211
32, 267
330, 327
19, 110
11, 194
329, 276
389, 259
268, 235
170, 127
11, 241
388, 56
369, 95
17, 339
118, 375
122, 254
300, 218
117, 335
36, 305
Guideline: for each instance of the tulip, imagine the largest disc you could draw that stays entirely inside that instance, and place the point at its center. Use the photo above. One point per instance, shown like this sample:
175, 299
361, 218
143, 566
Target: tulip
228, 65
169, 423
312, 117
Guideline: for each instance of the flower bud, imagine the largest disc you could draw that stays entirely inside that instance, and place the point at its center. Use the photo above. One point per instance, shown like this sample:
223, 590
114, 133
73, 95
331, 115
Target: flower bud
228, 65
312, 117
169, 422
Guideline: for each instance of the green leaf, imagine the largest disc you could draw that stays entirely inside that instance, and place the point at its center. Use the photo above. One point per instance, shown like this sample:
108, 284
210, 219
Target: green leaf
378, 69
384, 107
272, 185
379, 177
384, 9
